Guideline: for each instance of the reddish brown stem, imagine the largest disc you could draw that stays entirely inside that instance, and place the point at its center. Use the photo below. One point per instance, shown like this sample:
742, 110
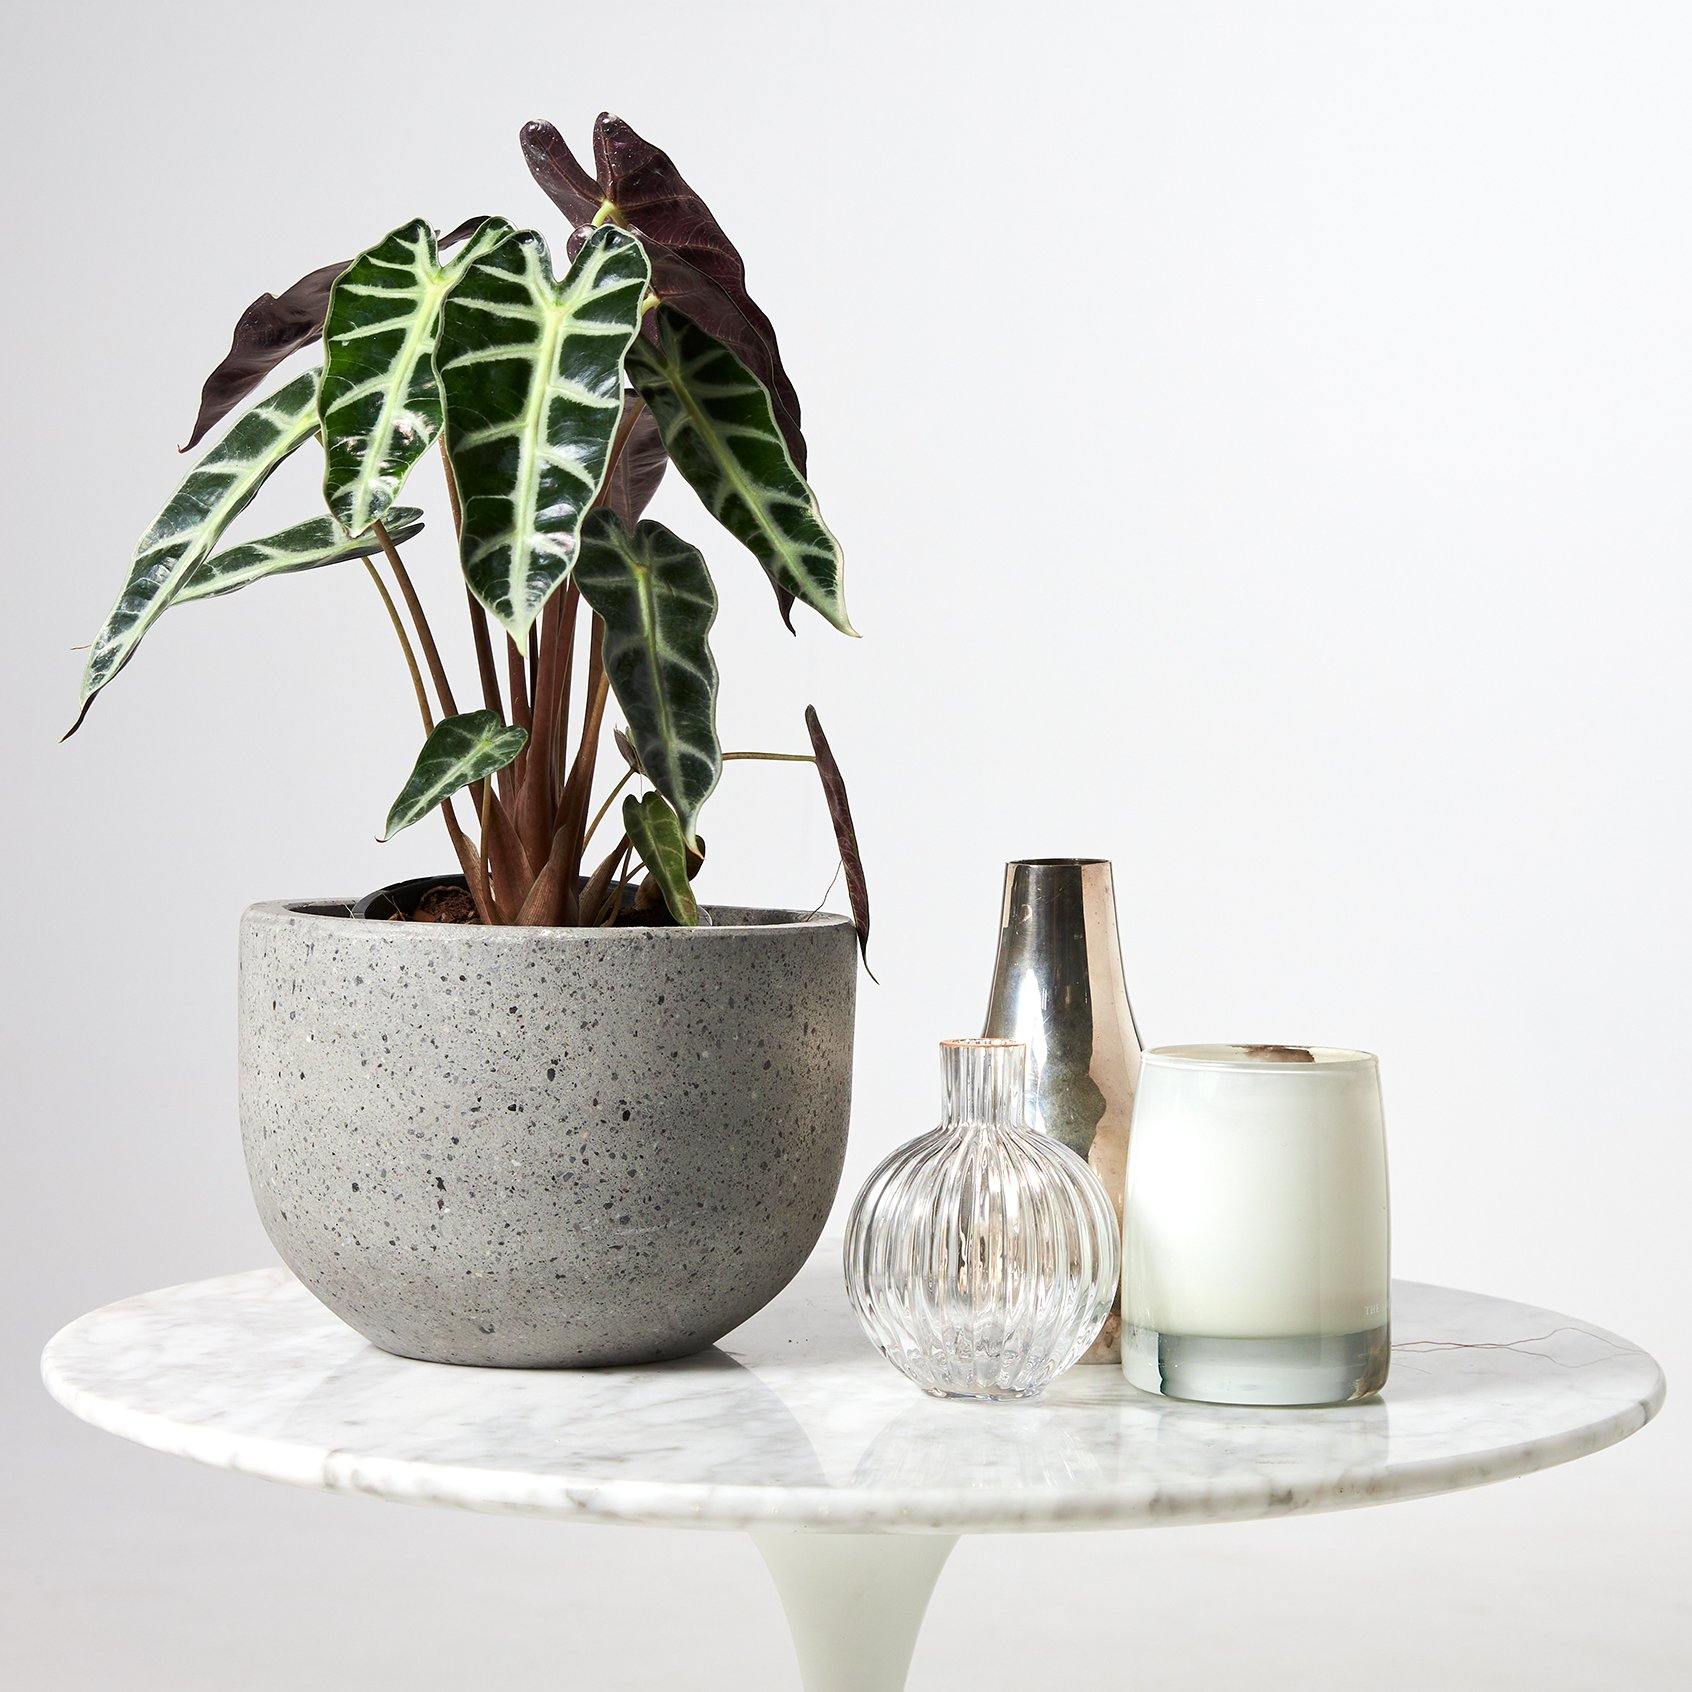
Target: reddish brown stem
522, 712
522, 715
486, 670
605, 805
593, 894
558, 627
425, 635
560, 709
613, 903
501, 847
553, 899
488, 673
578, 790
405, 647
475, 873
485, 667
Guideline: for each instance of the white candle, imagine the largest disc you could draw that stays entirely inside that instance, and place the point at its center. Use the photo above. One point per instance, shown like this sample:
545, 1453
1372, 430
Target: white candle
1256, 1245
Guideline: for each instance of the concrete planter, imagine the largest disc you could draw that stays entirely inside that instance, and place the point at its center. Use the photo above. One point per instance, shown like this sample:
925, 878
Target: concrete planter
547, 1147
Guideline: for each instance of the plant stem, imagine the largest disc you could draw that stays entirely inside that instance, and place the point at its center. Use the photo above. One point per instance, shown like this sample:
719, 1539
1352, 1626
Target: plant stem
487, 815
405, 647
553, 898
522, 714
558, 627
425, 635
594, 892
771, 757
489, 676
614, 898
559, 709
579, 788
549, 800
475, 872
452, 490
485, 668
599, 815
475, 876
522, 709
507, 854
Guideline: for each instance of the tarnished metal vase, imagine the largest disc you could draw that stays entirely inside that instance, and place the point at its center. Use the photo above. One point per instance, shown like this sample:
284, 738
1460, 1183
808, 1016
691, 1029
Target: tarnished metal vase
1058, 987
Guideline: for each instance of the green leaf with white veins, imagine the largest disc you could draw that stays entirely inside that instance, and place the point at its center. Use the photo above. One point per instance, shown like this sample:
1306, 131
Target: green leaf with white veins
654, 831
304, 546
461, 750
721, 434
211, 496
378, 404
531, 371
655, 595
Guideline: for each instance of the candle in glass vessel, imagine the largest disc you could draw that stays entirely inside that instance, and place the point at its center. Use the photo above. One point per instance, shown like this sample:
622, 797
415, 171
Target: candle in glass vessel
1256, 1239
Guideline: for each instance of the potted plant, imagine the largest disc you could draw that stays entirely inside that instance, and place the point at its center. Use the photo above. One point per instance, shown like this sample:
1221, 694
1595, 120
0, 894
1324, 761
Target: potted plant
551, 1110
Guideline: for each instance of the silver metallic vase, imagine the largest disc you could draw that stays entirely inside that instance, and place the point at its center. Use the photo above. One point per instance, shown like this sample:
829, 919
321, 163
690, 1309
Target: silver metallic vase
1058, 988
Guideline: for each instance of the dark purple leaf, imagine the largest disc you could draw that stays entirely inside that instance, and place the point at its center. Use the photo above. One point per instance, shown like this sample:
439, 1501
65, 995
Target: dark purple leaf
271, 328
845, 835
695, 266
654, 199
640, 464
720, 312
562, 179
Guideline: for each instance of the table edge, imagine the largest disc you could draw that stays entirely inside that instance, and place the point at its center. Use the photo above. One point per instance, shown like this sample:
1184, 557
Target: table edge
820, 1508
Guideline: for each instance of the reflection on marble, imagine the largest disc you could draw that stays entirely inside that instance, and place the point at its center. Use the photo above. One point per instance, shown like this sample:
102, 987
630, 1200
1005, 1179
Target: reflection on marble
794, 1421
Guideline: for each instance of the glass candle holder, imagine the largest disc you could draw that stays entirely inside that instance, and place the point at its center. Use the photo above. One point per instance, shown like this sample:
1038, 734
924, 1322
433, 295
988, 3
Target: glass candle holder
981, 1258
1256, 1263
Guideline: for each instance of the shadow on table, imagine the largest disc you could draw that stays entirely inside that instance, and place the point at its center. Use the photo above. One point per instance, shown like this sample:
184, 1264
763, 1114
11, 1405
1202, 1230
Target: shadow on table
701, 1419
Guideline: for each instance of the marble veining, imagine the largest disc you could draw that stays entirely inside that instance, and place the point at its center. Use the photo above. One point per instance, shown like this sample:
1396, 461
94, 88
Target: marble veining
794, 1421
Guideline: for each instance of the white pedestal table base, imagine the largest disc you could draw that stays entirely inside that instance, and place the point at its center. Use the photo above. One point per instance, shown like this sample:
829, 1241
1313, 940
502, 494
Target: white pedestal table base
854, 1601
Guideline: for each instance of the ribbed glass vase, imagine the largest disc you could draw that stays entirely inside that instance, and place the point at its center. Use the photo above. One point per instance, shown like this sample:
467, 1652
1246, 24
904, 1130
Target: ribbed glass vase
982, 1258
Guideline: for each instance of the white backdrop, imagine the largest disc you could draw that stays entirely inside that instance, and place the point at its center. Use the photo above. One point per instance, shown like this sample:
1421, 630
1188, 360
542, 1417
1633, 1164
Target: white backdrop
1262, 438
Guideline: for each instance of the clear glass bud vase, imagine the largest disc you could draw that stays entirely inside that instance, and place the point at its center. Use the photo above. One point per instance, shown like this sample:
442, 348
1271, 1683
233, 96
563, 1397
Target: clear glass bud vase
982, 1258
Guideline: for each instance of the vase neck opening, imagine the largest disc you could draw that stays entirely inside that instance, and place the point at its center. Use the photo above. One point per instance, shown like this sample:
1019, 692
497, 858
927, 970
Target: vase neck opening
983, 1081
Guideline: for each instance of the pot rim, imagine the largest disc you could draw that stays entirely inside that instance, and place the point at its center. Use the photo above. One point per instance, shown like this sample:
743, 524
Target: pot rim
336, 912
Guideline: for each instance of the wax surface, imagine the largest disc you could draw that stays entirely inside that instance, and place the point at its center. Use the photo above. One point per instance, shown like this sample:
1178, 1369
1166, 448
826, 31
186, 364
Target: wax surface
1257, 1200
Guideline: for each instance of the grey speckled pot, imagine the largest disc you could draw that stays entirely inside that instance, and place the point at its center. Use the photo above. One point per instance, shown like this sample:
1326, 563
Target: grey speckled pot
544, 1147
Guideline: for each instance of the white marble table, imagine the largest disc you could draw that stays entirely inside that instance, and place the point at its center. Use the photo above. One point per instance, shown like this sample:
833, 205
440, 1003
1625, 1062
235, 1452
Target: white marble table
854, 1485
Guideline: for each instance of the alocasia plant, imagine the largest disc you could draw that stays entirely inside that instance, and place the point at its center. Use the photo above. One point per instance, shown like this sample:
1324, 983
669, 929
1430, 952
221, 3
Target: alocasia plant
557, 395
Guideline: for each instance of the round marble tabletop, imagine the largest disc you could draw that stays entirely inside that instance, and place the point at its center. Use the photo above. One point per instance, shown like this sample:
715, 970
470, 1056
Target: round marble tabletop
794, 1422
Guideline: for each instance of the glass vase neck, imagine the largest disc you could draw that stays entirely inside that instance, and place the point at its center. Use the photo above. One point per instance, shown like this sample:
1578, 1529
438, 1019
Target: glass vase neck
983, 1081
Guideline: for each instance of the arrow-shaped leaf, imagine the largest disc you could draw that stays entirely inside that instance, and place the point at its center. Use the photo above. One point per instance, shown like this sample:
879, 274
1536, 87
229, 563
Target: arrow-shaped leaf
304, 546
461, 750
655, 595
532, 374
722, 436
655, 832
378, 403
271, 328
695, 266
211, 496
